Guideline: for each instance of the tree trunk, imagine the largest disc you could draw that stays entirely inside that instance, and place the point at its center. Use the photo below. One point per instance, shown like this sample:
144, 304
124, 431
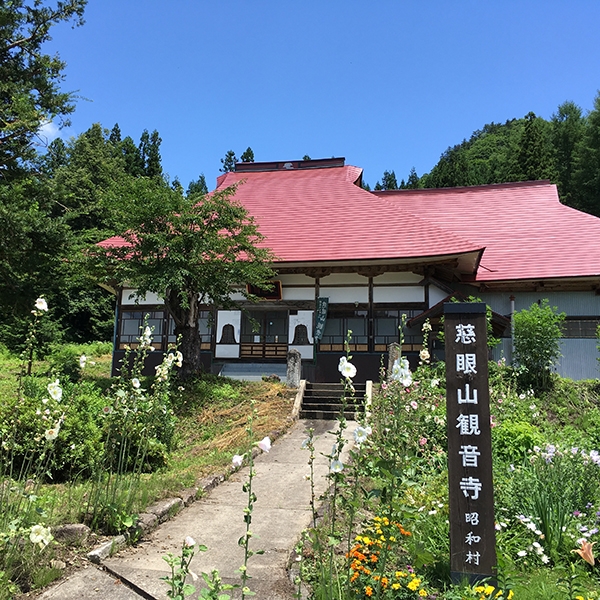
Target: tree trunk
189, 346
186, 330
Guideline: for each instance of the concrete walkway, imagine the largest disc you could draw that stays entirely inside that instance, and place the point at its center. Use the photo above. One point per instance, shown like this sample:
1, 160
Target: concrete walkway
281, 513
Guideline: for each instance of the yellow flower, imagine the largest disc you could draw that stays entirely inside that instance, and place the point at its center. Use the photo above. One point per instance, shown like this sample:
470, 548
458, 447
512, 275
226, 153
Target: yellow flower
369, 590
396, 586
413, 585
422, 593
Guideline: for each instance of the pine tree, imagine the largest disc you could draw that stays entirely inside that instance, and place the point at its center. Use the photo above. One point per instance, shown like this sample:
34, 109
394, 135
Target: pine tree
567, 132
247, 155
535, 153
388, 181
198, 187
228, 163
115, 135
587, 164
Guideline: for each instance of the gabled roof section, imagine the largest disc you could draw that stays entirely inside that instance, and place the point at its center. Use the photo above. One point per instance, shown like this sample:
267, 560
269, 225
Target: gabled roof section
320, 215
526, 231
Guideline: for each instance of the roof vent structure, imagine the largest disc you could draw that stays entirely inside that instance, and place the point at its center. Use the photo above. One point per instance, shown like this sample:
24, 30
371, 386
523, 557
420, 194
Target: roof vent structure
289, 165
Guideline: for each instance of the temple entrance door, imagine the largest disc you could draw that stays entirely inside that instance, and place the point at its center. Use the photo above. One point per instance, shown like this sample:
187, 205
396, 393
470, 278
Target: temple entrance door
264, 335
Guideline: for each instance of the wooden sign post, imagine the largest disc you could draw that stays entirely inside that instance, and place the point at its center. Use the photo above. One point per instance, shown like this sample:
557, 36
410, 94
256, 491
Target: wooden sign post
472, 527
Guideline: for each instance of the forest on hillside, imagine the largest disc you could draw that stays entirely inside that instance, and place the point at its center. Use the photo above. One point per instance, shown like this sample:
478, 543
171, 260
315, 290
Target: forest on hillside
564, 149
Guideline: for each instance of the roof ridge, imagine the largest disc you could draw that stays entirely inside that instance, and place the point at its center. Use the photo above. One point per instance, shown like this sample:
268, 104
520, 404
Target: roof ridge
508, 184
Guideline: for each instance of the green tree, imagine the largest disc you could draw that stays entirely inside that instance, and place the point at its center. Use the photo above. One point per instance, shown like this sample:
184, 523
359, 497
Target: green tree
247, 155
149, 150
536, 337
29, 79
413, 180
134, 164
388, 181
535, 152
567, 131
453, 168
188, 251
91, 167
30, 254
115, 135
228, 162
587, 164
198, 187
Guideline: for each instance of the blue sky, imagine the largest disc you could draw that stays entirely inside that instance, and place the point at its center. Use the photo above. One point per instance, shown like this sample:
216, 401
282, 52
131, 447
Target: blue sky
387, 84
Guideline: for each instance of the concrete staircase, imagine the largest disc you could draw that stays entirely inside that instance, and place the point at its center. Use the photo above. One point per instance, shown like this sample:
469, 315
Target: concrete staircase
324, 401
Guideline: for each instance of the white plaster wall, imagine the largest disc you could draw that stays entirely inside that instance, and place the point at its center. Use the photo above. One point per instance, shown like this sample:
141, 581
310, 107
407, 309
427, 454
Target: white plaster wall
343, 279
436, 295
406, 293
401, 277
228, 317
304, 317
306, 352
296, 279
349, 294
129, 297
292, 293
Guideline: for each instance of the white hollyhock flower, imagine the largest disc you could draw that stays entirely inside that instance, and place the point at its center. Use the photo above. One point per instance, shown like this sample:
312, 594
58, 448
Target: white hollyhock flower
55, 390
265, 444
348, 370
40, 535
337, 466
52, 434
360, 435
237, 460
41, 305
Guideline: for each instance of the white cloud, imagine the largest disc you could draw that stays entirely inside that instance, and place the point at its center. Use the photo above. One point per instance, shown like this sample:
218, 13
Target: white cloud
48, 132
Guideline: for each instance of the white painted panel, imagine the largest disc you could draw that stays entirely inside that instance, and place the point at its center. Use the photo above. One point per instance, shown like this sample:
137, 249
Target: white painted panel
343, 279
306, 352
402, 277
304, 317
237, 296
436, 295
406, 293
228, 317
129, 297
227, 351
296, 279
291, 293
349, 294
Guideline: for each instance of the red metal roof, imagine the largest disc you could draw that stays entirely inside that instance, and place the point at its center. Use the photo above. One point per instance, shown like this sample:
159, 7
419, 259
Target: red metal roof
321, 215
527, 233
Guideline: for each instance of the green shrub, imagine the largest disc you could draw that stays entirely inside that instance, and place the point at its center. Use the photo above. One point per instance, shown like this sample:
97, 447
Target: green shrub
537, 334
512, 442
25, 420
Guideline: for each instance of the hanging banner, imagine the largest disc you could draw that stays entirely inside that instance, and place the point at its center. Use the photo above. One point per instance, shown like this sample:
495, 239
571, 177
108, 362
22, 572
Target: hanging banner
320, 317
472, 527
